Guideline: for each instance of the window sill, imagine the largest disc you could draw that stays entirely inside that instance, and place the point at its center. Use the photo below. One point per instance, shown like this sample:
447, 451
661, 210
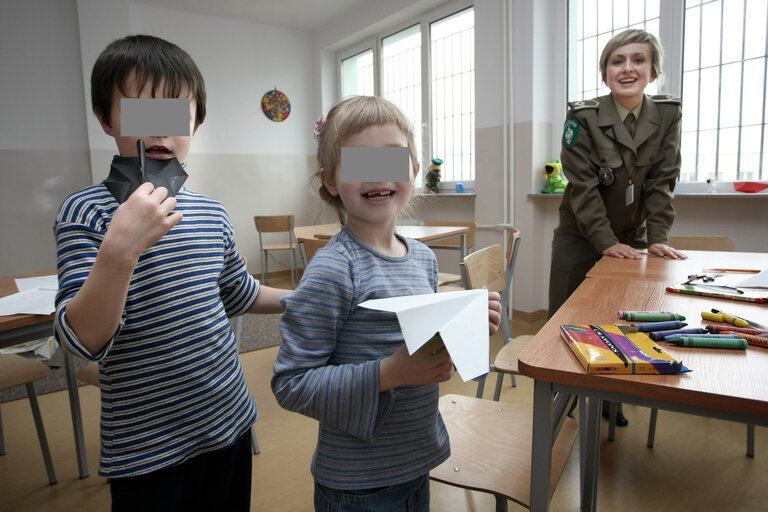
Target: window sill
678, 195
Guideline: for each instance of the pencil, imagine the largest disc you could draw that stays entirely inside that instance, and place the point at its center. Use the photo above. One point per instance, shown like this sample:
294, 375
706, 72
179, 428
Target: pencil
746, 270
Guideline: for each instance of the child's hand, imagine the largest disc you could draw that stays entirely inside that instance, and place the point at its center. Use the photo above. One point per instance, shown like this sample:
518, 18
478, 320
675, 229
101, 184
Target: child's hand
143, 219
494, 312
428, 365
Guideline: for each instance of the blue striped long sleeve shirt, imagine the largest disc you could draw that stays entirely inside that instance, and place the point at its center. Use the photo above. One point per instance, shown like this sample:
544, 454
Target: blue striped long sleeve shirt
328, 367
171, 383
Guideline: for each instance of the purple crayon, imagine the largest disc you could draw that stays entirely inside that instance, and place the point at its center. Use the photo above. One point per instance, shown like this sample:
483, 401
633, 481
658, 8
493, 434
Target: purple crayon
659, 326
659, 335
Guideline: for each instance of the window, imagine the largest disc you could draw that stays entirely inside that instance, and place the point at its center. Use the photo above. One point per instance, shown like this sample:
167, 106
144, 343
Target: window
438, 97
723, 74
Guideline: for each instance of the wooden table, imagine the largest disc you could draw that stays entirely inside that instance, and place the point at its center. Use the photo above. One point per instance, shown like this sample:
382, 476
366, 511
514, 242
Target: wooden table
726, 384
15, 329
424, 234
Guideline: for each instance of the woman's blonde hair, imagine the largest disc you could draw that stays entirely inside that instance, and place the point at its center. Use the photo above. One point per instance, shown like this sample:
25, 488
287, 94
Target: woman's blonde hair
633, 35
349, 117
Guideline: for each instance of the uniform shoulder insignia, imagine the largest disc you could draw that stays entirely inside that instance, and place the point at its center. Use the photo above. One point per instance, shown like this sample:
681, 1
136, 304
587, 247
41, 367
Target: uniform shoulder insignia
666, 98
583, 104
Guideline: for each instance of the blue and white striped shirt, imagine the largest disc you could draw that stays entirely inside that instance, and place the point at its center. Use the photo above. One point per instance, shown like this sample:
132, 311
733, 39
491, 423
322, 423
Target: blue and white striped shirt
171, 383
328, 367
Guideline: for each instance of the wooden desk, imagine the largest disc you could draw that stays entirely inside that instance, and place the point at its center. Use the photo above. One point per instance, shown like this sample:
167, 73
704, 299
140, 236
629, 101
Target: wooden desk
424, 234
726, 384
674, 271
15, 329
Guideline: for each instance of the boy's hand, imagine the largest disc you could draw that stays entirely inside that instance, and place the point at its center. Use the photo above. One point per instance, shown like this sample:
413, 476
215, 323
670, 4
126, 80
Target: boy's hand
428, 365
494, 312
143, 219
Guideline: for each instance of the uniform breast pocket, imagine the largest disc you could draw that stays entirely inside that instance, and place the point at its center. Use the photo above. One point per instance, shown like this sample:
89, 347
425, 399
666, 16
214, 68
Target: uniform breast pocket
606, 161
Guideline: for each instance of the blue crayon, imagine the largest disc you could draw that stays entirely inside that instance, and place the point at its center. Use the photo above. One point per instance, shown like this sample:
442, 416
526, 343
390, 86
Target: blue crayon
712, 336
659, 335
659, 326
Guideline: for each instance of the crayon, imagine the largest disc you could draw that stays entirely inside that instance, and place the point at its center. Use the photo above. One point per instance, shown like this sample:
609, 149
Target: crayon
687, 341
723, 336
729, 328
659, 335
755, 341
722, 316
651, 316
621, 314
659, 326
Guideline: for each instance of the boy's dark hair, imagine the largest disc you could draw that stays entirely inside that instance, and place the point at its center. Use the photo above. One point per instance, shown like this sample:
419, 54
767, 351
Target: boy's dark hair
151, 59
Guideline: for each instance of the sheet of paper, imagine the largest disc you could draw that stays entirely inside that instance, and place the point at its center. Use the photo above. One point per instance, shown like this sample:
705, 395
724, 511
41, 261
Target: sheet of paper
38, 301
30, 283
460, 317
759, 280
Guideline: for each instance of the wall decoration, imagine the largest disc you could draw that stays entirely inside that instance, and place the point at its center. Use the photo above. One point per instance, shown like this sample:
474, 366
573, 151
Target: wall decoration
276, 105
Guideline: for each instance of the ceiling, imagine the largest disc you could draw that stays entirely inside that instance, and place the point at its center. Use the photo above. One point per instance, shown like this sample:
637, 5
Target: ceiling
304, 15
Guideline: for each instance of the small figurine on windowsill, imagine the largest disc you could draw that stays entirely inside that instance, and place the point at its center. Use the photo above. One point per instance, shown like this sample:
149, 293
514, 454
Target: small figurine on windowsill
433, 176
556, 180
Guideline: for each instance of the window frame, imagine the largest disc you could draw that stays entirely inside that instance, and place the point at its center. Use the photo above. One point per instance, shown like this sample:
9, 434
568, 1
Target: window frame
374, 43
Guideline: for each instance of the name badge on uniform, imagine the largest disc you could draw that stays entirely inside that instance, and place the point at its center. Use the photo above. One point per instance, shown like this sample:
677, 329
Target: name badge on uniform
605, 175
629, 194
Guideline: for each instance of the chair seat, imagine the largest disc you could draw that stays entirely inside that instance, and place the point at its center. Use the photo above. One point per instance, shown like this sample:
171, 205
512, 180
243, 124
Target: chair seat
506, 359
449, 288
16, 370
446, 278
491, 447
277, 247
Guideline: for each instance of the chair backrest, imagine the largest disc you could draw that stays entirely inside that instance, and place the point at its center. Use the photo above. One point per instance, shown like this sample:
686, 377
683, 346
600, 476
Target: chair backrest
308, 247
486, 268
454, 242
274, 224
702, 243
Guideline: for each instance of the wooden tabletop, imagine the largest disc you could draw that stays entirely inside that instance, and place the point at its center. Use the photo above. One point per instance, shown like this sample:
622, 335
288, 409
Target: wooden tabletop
730, 380
673, 271
7, 287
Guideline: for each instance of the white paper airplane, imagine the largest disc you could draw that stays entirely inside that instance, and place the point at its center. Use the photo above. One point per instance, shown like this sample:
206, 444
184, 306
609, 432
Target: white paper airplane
460, 317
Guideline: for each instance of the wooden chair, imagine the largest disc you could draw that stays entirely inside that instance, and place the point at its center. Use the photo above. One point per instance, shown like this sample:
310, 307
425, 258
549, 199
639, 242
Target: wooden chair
702, 243
276, 224
491, 448
491, 269
697, 243
308, 247
445, 278
15, 371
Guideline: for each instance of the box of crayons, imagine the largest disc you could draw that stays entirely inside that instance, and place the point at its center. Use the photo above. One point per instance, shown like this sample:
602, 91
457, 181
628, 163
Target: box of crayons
606, 349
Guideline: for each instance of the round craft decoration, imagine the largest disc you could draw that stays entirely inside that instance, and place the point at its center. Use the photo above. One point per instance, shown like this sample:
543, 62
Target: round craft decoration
276, 105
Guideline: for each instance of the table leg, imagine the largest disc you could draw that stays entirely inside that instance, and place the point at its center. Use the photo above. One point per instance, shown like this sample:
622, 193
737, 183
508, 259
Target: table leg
463, 246
541, 448
591, 456
77, 419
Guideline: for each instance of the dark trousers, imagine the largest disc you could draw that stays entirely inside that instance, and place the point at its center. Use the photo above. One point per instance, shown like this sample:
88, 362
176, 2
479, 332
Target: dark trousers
219, 480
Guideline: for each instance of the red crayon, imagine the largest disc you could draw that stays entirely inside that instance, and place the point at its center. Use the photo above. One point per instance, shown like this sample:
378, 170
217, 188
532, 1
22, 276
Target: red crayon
755, 341
715, 329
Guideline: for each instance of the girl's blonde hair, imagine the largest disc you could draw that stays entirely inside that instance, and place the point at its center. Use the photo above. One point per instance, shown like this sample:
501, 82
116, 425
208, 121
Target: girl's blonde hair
349, 117
633, 35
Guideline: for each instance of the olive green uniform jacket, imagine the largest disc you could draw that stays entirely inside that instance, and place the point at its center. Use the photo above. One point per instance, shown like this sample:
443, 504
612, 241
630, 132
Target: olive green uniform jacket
594, 214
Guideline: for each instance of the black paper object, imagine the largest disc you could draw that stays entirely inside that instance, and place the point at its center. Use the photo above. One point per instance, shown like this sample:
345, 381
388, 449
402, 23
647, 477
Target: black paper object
127, 173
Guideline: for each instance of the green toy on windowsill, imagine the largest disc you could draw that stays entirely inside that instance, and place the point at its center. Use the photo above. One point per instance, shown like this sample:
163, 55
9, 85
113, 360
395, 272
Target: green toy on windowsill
433, 176
556, 181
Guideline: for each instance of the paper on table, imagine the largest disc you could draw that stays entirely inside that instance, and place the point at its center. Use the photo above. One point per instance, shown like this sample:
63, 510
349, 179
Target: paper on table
460, 317
39, 301
30, 283
759, 280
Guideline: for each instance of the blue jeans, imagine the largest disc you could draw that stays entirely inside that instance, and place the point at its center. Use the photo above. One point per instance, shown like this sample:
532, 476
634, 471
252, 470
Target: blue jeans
410, 496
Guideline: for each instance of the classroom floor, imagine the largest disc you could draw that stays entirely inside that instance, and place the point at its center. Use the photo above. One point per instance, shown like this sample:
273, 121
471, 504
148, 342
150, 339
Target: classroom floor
697, 464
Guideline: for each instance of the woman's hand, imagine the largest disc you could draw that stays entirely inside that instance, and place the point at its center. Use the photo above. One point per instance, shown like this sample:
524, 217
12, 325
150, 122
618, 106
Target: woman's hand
623, 251
666, 251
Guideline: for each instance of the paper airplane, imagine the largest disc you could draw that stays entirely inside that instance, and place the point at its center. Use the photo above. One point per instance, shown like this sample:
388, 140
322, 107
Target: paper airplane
461, 319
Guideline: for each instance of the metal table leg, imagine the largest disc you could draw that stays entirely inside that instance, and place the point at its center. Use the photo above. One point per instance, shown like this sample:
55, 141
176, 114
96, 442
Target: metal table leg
77, 419
541, 449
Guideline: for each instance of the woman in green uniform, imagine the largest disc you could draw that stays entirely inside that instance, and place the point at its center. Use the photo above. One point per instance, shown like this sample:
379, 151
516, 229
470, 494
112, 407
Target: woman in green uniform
621, 155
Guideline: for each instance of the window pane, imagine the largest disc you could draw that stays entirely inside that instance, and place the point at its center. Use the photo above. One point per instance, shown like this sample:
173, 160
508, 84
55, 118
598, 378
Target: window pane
357, 75
728, 154
749, 165
453, 95
401, 75
691, 45
691, 103
754, 32
730, 95
733, 26
710, 27
752, 105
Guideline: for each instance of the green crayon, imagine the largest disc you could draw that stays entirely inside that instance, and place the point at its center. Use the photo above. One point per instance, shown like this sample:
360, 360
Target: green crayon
640, 316
703, 342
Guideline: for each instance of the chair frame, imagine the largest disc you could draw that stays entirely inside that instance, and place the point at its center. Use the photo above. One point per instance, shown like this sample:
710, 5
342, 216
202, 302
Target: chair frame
308, 247
273, 224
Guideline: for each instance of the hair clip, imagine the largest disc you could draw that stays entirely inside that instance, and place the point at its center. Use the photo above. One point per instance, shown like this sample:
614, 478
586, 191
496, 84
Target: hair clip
319, 126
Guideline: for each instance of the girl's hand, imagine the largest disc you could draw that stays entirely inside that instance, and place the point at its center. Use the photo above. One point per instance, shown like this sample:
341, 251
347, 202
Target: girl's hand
494, 312
664, 250
428, 365
623, 251
143, 219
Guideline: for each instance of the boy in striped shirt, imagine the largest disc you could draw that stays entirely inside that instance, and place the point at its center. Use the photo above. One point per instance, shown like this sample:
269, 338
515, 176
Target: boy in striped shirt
146, 288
